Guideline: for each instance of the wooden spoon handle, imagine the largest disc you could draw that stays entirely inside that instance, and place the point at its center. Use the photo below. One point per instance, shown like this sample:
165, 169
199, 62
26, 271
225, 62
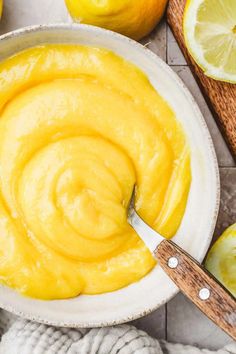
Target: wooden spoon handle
198, 285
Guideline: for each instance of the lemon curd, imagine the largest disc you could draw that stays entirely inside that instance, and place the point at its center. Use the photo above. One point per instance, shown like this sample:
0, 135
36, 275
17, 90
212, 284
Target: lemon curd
79, 127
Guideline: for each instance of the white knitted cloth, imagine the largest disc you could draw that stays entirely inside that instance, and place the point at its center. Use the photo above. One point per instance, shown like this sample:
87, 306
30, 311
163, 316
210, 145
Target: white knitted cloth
25, 337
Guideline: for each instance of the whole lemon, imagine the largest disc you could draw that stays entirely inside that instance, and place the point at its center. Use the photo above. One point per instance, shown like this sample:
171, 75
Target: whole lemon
1, 3
133, 18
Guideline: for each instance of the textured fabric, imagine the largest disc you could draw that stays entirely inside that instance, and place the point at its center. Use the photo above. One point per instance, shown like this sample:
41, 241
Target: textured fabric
25, 337
169, 348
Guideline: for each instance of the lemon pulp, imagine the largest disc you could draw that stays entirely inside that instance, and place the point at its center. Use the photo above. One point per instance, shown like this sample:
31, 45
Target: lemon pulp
209, 30
79, 126
221, 260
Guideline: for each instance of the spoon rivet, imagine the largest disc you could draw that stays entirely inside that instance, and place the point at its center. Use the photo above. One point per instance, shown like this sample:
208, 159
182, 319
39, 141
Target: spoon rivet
173, 262
204, 294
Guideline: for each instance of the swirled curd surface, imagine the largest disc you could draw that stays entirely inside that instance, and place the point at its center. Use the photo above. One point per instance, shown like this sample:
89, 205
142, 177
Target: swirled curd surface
79, 126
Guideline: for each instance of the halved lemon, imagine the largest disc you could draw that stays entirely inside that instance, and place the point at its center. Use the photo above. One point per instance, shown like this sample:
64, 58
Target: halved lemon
221, 260
210, 36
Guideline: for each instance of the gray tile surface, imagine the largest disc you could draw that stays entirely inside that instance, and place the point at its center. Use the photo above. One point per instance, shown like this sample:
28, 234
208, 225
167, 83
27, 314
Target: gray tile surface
21, 13
179, 319
187, 325
174, 54
227, 214
157, 40
154, 324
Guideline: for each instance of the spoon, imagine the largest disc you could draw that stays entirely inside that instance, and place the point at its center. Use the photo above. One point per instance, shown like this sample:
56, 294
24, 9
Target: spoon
190, 277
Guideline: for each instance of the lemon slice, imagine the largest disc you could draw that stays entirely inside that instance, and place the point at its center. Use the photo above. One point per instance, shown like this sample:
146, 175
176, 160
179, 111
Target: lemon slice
210, 36
221, 260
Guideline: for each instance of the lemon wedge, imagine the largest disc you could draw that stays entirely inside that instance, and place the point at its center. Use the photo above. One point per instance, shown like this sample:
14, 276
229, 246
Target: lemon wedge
221, 260
210, 36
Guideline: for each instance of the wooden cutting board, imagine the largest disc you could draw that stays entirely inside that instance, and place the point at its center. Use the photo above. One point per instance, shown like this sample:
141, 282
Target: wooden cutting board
220, 96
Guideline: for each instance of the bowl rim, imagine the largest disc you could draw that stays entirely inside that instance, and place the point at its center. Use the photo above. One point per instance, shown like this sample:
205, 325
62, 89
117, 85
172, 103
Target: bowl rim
75, 26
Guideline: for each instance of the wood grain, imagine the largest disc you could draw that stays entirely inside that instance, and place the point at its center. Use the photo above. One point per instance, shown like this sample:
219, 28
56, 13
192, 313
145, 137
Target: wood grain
220, 96
191, 277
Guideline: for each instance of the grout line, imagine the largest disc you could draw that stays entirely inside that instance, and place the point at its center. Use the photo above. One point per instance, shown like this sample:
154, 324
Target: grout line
166, 42
227, 167
178, 65
166, 323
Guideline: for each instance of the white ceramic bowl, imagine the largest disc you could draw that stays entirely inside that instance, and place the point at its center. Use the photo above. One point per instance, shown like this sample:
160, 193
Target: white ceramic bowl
196, 230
